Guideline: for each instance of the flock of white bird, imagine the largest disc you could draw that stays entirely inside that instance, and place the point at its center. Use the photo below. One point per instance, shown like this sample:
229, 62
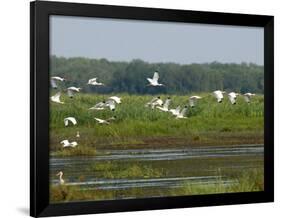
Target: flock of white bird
113, 101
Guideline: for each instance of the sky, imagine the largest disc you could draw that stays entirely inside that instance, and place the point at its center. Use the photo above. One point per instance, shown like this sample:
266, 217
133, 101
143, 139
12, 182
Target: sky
154, 41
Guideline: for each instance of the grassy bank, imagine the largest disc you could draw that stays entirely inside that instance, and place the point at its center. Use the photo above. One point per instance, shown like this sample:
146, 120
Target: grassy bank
247, 181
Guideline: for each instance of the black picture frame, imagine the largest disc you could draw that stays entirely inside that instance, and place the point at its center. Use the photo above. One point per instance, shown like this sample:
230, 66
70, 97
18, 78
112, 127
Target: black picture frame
39, 107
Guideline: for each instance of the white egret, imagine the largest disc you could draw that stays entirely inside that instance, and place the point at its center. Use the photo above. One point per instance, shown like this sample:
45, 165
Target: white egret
102, 105
165, 106
66, 144
193, 100
248, 96
77, 134
232, 96
154, 81
107, 121
111, 104
71, 90
54, 80
116, 99
99, 106
94, 82
101, 121
155, 102
182, 113
68, 120
218, 95
61, 180
56, 98
176, 111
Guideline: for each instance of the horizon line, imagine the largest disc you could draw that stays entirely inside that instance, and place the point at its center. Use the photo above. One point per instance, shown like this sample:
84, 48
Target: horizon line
168, 62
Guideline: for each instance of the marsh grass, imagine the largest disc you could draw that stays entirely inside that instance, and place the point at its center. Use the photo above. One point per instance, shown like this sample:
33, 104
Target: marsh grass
62, 194
112, 170
247, 181
137, 124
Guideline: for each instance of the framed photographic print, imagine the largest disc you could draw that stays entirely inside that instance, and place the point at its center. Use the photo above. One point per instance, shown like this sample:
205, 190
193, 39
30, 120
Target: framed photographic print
140, 108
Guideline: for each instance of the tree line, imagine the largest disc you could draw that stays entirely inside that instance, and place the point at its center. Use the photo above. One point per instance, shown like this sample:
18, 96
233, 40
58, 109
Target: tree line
131, 76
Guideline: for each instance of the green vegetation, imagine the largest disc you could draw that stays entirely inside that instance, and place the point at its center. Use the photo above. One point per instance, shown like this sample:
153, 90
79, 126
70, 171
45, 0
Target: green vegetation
247, 181
130, 77
113, 170
137, 126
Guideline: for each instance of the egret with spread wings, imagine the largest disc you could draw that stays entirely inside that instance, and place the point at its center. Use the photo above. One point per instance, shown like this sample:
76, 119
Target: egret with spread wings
154, 81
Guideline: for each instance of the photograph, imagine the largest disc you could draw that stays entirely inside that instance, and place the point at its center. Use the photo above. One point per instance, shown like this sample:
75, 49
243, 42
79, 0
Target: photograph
147, 109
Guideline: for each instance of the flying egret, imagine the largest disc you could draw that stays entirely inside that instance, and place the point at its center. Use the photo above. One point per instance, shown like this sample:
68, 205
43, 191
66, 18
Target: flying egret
56, 98
193, 100
61, 180
107, 121
102, 105
154, 80
111, 104
116, 99
232, 97
165, 107
182, 113
66, 144
99, 106
218, 95
101, 121
68, 120
94, 82
71, 90
248, 96
155, 102
54, 80
176, 111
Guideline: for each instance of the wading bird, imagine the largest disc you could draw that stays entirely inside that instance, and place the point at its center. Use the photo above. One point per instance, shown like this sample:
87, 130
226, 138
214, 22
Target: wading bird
99, 106
218, 95
176, 111
182, 113
54, 80
68, 120
77, 134
94, 82
248, 96
56, 98
102, 105
66, 144
116, 99
107, 121
232, 96
61, 180
71, 90
154, 80
155, 102
165, 107
193, 100
111, 104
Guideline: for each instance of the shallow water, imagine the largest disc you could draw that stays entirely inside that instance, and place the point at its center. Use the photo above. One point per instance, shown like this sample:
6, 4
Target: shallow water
210, 158
164, 154
106, 184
